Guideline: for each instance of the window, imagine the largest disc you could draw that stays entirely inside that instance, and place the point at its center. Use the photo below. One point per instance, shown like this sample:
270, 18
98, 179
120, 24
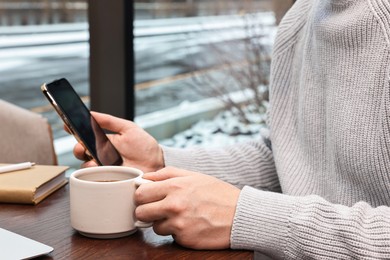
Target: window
151, 55
174, 38
42, 40
191, 50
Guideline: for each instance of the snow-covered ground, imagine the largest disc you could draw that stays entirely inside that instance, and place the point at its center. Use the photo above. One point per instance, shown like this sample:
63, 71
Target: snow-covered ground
225, 129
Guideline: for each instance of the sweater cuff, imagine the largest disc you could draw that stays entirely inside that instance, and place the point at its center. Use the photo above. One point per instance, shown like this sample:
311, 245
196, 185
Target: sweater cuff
180, 158
261, 222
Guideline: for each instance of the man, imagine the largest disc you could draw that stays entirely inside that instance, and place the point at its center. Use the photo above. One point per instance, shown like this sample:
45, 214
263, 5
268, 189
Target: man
319, 188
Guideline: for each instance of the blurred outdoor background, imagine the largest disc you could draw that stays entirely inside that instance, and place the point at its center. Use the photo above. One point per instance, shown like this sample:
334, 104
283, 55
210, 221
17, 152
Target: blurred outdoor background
185, 51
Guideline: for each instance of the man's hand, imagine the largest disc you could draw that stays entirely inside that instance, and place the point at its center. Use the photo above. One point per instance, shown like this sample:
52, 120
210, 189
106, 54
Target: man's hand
137, 148
196, 209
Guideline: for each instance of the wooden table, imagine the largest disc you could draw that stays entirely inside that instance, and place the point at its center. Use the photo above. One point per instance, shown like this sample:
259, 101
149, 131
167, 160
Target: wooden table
49, 223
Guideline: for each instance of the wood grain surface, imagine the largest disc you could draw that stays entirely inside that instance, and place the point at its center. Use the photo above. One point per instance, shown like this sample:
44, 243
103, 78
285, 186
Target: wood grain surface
49, 223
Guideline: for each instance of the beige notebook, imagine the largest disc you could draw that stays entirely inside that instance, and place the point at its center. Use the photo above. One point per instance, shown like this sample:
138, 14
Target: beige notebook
31, 186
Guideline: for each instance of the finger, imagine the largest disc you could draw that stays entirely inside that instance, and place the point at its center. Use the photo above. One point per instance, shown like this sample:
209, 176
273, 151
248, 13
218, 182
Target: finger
150, 192
79, 152
167, 173
111, 123
150, 212
90, 163
66, 128
162, 227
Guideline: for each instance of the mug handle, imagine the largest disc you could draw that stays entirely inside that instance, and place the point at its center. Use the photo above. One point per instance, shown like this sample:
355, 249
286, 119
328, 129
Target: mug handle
141, 224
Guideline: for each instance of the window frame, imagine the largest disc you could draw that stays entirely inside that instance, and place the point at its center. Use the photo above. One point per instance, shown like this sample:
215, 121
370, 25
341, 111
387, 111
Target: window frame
111, 67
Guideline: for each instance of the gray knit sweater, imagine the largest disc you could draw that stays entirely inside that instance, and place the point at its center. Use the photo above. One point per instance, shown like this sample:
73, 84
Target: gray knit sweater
323, 190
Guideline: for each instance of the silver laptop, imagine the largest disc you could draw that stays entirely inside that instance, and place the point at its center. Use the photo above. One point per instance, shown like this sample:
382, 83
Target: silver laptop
16, 247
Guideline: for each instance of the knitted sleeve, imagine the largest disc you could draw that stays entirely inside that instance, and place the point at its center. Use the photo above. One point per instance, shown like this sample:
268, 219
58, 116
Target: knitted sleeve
243, 164
309, 227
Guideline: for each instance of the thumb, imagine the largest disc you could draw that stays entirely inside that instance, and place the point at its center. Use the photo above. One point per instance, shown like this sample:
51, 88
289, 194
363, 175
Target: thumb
111, 123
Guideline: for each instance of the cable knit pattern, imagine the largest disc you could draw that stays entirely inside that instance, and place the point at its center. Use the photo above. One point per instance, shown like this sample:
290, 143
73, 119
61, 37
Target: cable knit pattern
330, 133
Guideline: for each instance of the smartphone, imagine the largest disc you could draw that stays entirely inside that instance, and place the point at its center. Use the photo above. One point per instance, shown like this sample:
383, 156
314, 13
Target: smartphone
80, 122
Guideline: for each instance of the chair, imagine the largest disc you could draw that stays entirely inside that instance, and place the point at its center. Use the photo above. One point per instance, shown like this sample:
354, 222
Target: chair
25, 136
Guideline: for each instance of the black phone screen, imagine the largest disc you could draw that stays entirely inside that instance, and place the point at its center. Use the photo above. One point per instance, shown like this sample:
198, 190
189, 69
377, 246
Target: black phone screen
82, 123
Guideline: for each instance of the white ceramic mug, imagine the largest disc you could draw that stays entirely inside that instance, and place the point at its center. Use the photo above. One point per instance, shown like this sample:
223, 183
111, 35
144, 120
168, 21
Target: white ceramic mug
102, 201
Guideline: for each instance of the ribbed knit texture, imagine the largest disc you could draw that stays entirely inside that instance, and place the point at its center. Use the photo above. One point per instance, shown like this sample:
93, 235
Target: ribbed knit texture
330, 133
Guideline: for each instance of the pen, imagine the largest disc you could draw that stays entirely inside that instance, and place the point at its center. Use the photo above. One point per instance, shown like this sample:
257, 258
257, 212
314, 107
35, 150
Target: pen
16, 167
